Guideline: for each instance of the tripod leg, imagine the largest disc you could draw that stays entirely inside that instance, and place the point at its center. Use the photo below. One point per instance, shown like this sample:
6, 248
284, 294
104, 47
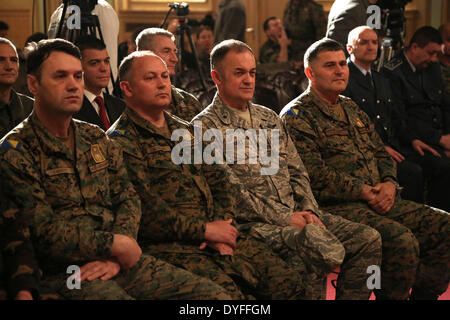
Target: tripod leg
61, 21
197, 64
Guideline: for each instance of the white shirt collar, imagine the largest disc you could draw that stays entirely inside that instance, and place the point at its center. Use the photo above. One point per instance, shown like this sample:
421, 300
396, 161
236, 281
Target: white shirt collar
90, 96
364, 71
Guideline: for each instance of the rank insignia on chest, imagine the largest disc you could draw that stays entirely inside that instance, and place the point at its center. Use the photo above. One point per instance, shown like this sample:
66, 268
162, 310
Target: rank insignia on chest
97, 153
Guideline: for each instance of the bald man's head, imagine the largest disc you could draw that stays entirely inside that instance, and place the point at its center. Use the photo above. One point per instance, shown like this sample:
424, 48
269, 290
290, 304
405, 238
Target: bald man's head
362, 45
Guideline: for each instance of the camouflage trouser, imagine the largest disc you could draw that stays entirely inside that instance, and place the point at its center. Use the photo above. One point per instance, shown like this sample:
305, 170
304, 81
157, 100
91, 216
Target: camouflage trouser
362, 246
253, 270
406, 228
150, 278
315, 252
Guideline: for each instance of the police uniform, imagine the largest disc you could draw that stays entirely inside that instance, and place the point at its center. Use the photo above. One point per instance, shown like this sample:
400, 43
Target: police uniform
373, 95
179, 199
343, 155
305, 22
445, 71
424, 111
74, 203
267, 203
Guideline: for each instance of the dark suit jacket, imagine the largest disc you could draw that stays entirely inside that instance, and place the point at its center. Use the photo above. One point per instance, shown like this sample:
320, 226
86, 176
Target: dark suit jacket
114, 107
426, 106
377, 101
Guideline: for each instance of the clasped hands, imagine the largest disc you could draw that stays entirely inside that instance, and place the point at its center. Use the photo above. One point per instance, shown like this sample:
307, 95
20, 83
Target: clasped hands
220, 235
381, 197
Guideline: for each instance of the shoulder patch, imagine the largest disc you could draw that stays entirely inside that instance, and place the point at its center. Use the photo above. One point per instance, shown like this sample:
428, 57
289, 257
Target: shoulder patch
117, 133
293, 112
393, 64
11, 144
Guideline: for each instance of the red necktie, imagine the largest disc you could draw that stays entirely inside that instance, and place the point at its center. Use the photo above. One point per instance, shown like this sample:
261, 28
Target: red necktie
102, 112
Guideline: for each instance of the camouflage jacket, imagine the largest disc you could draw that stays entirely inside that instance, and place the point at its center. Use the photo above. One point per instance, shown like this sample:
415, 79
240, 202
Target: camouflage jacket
339, 156
270, 51
230, 21
20, 268
177, 199
269, 198
305, 23
445, 71
12, 113
184, 105
73, 204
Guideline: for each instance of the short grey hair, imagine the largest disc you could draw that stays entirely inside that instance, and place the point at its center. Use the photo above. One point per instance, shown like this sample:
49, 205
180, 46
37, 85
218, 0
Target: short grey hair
219, 52
127, 63
8, 42
144, 40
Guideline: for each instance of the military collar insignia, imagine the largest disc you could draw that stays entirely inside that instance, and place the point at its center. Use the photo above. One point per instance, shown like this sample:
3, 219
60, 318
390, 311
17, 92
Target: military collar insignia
393, 64
97, 154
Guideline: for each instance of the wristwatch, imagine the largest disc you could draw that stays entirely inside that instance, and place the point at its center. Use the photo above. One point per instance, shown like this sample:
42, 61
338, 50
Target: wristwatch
398, 188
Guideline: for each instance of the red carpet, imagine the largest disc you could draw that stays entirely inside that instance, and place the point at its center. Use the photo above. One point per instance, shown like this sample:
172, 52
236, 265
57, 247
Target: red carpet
331, 292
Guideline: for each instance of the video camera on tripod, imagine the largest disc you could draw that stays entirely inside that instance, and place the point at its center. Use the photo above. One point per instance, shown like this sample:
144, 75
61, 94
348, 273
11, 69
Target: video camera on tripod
90, 23
393, 28
182, 10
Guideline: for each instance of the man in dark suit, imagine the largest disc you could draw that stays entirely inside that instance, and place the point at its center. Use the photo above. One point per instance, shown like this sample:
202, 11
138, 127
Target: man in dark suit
98, 108
372, 92
425, 111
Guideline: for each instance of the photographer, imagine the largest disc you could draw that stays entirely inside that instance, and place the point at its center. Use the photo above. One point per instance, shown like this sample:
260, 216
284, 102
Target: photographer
109, 26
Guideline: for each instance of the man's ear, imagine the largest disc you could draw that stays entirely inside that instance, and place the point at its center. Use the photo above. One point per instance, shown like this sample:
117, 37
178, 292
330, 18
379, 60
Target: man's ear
309, 72
32, 83
216, 76
126, 89
349, 49
413, 47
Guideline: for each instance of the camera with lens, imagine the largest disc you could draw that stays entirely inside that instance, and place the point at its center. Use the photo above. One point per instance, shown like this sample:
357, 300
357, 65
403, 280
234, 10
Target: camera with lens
182, 9
86, 6
393, 18
392, 4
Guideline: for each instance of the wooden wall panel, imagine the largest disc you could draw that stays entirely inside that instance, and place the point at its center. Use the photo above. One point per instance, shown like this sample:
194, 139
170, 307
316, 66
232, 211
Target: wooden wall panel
139, 13
20, 25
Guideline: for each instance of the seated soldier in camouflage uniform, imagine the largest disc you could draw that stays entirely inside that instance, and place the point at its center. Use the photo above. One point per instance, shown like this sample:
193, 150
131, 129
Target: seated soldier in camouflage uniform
184, 105
353, 176
188, 209
70, 186
305, 22
276, 48
277, 204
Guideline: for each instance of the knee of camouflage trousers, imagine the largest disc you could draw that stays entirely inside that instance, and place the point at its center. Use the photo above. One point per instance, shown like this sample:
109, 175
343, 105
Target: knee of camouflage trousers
400, 259
320, 250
